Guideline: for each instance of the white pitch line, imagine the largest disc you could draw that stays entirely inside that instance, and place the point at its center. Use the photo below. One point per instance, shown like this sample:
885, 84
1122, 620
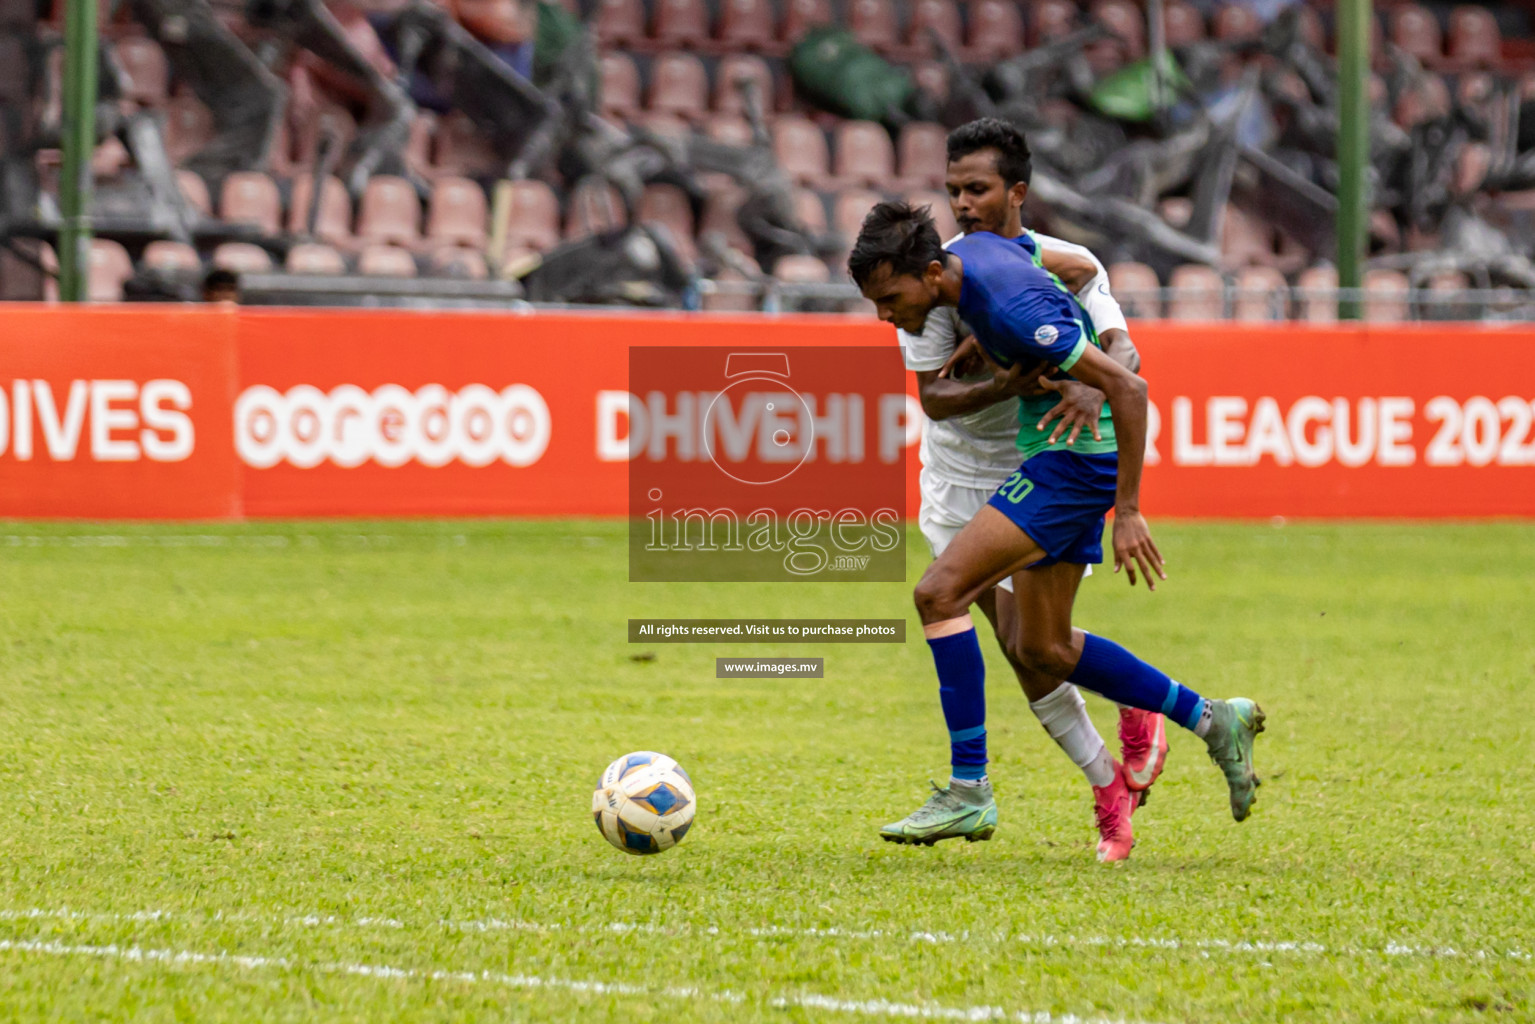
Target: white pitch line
385, 972
1203, 946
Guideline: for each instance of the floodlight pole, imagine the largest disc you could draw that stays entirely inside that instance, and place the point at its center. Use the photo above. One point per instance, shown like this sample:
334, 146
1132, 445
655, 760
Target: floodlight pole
1354, 18
79, 138
1156, 34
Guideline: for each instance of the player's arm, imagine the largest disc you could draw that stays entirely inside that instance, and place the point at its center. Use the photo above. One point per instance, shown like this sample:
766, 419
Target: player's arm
1126, 393
942, 396
1080, 405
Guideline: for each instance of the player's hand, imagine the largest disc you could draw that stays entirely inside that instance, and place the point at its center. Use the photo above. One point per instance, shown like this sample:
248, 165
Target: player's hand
1080, 406
1134, 547
968, 360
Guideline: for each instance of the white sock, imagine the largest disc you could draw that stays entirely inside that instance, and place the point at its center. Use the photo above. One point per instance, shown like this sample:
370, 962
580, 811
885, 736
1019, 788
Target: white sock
1202, 727
1063, 713
973, 783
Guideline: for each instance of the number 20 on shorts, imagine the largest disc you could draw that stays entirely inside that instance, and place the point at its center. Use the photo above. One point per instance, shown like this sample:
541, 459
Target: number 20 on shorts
1017, 487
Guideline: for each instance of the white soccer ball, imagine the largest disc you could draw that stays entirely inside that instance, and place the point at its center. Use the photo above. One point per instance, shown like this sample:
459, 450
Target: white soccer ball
644, 803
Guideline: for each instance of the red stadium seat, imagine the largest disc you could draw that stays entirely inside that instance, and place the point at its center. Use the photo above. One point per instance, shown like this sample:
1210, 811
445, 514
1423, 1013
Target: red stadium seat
110, 268
932, 77
1261, 294
390, 212
849, 210
147, 71
720, 218
678, 85
864, 154
458, 262
995, 31
731, 70
1236, 21
1246, 240
873, 23
1415, 31
462, 151
1474, 37
1182, 23
595, 207
620, 22
1137, 290
313, 258
332, 218
163, 255
680, 23
938, 205
1051, 19
188, 128
797, 269
385, 261
802, 15
250, 197
534, 218
242, 258
668, 206
810, 211
195, 191
734, 294
746, 25
1198, 293
940, 17
1427, 100
923, 155
1385, 296
731, 129
456, 215
801, 150
1317, 295
620, 86
1127, 23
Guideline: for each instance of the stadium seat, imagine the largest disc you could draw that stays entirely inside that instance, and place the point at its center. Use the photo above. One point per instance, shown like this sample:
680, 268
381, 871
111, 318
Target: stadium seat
802, 15
678, 85
419, 145
1198, 293
799, 269
849, 209
1182, 23
1236, 22
1414, 30
939, 17
188, 128
1441, 297
864, 155
1428, 100
457, 262
1127, 23
1260, 294
164, 255
595, 207
669, 207
995, 31
746, 25
385, 261
801, 150
620, 86
250, 197
734, 296
734, 68
680, 23
534, 217
873, 23
195, 191
1316, 295
242, 258
923, 155
1051, 19
333, 218
731, 129
810, 210
313, 258
462, 151
110, 267
1137, 290
1385, 295
1176, 210
931, 77
1471, 167
720, 218
619, 22
456, 215
146, 69
1474, 37
390, 212
1246, 240
938, 205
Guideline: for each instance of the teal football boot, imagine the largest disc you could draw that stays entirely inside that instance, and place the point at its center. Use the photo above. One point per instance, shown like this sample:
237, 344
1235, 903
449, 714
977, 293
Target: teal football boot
951, 812
1234, 724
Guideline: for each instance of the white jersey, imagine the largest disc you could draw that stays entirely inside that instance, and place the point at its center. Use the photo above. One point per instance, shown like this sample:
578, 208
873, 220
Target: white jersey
980, 449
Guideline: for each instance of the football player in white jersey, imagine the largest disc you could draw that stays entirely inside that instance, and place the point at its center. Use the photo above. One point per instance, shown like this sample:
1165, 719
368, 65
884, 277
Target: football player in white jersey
970, 446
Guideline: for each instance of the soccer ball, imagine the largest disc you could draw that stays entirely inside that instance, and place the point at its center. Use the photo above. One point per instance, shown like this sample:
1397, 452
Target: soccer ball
644, 803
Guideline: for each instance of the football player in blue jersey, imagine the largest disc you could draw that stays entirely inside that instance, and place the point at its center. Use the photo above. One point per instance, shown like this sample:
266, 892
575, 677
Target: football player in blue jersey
1046, 519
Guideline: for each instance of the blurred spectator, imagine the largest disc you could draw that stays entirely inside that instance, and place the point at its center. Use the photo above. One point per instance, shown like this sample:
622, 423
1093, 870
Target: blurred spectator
220, 285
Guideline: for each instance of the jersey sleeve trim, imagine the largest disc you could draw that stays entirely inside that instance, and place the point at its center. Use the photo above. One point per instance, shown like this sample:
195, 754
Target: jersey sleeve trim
1075, 354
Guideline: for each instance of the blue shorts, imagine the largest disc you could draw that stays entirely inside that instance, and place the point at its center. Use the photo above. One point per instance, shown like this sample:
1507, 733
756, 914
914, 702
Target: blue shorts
1059, 499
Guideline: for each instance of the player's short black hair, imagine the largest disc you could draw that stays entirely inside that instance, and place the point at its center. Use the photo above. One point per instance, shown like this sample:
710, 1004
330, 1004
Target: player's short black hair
1014, 162
896, 233
218, 277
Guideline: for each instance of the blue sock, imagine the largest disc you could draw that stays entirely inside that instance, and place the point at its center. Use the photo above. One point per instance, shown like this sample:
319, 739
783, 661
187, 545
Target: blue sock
962, 690
1108, 669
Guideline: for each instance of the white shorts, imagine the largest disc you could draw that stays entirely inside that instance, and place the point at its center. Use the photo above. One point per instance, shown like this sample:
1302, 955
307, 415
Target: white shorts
947, 507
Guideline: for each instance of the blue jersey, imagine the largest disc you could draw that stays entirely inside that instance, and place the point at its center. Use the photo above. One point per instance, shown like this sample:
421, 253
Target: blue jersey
1020, 312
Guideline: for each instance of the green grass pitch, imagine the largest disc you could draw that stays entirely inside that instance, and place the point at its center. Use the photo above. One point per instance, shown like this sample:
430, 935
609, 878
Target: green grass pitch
342, 772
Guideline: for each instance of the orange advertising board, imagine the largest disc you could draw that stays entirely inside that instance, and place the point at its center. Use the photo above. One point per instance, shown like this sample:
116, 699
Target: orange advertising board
182, 412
